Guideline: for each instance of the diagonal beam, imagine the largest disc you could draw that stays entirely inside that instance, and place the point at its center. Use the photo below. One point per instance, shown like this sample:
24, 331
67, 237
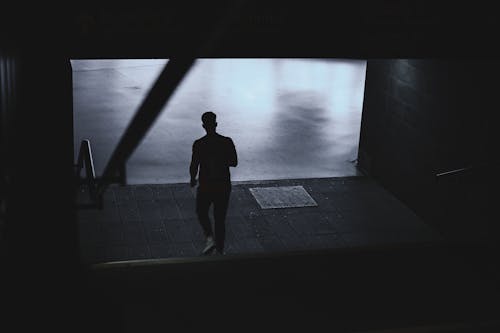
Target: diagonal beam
145, 117
158, 96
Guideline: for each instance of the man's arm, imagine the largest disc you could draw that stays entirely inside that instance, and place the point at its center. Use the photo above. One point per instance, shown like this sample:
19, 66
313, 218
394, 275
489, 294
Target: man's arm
232, 156
195, 163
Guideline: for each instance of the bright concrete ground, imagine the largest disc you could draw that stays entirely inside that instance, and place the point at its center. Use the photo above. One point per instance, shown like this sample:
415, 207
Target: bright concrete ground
289, 118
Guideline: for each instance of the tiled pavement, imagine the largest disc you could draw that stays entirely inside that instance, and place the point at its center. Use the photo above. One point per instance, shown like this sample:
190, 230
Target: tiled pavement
365, 289
159, 221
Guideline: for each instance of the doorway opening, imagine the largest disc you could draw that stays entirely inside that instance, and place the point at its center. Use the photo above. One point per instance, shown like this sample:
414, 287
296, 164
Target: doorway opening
289, 118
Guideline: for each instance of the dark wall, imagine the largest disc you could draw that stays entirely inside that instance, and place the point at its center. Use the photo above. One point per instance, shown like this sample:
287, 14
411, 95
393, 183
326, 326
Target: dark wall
422, 117
316, 28
40, 258
7, 87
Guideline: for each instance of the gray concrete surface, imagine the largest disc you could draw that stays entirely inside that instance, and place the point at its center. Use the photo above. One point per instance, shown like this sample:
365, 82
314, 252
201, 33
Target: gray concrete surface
289, 118
159, 221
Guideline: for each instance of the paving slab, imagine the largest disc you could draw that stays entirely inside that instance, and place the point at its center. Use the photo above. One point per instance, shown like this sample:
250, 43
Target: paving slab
282, 197
159, 221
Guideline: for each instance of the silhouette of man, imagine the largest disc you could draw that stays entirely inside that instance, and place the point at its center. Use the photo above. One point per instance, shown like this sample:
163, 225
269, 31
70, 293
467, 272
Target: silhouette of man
212, 156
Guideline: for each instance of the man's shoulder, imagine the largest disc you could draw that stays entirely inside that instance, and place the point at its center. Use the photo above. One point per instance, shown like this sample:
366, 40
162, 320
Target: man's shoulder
225, 138
198, 141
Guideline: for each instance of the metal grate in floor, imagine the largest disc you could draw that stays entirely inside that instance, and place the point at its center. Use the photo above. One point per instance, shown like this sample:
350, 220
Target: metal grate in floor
282, 197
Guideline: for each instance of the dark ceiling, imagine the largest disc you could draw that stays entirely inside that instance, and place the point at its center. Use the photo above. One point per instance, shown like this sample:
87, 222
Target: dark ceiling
352, 29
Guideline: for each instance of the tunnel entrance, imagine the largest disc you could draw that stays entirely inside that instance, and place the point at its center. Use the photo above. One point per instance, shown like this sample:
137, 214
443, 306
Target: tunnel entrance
296, 126
289, 118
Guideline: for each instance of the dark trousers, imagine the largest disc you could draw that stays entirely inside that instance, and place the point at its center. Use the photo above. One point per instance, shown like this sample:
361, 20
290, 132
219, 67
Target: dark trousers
220, 199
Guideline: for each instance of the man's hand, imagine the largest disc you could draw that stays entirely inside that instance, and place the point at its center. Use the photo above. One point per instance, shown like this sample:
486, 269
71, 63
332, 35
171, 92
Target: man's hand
193, 182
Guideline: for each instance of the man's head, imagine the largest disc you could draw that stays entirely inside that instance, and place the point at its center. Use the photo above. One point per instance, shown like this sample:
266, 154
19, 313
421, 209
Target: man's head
209, 121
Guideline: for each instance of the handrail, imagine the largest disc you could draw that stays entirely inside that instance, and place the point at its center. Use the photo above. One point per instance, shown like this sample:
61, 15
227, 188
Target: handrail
460, 171
453, 172
86, 160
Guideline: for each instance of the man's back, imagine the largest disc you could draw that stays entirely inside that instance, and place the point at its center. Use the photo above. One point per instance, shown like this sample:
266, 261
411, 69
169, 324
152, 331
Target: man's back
215, 154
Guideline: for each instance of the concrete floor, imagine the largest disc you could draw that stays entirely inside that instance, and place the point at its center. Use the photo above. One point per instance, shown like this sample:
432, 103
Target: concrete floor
289, 118
159, 221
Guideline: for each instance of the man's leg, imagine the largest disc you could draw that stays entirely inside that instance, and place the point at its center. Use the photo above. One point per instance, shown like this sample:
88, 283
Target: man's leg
221, 204
202, 207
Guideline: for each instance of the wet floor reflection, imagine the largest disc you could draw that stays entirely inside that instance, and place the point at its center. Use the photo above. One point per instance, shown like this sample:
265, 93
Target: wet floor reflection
289, 118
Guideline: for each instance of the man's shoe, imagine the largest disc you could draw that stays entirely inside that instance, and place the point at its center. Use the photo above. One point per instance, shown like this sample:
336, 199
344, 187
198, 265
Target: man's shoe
210, 245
